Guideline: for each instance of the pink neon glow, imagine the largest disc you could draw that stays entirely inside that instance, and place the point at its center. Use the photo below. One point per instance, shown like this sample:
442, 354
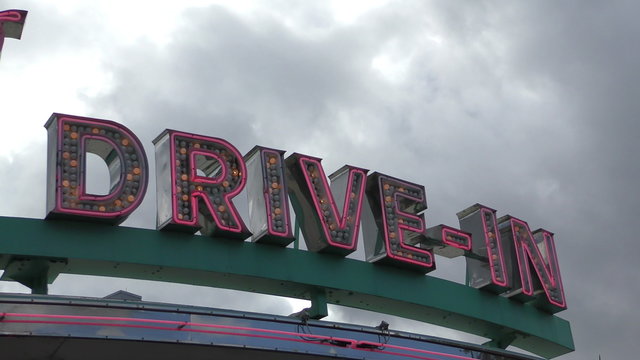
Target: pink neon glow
525, 245
484, 212
428, 262
237, 225
183, 326
286, 216
381, 345
10, 15
97, 200
449, 231
343, 220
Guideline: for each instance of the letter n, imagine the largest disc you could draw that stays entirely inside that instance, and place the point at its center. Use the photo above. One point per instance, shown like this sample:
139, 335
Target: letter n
536, 254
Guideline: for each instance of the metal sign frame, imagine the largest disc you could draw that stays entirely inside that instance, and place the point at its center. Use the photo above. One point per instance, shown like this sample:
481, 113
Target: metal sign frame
34, 252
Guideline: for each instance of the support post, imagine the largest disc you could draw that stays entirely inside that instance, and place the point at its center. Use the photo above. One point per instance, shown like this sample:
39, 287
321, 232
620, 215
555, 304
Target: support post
501, 342
33, 272
318, 308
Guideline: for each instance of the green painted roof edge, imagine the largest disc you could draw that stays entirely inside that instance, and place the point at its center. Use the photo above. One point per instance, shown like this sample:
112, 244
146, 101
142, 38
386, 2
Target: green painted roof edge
117, 251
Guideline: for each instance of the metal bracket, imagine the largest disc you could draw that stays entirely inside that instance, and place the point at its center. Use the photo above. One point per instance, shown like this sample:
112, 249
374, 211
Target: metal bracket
34, 272
318, 308
501, 342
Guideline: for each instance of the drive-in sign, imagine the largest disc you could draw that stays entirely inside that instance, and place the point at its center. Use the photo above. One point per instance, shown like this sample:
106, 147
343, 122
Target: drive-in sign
198, 177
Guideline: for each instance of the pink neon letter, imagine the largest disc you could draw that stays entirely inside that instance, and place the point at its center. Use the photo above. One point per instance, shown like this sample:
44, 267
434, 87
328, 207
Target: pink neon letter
70, 139
529, 249
487, 269
11, 24
270, 221
190, 168
323, 225
448, 241
395, 229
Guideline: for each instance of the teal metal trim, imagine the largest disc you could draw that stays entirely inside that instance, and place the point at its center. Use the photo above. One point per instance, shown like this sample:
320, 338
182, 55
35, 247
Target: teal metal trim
502, 342
97, 249
318, 308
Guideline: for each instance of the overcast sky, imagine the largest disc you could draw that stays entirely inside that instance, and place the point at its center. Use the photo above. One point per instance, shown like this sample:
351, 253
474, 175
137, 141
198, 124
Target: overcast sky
527, 107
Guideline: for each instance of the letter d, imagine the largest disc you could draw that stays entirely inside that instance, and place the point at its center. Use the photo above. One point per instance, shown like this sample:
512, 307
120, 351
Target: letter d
70, 139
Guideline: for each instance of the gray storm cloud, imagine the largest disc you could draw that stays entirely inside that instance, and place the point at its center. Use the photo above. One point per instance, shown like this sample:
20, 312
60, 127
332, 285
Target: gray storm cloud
529, 108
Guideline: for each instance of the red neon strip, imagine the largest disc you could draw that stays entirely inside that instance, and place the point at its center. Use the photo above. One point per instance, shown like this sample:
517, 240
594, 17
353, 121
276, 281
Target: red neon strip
381, 347
401, 354
166, 322
10, 16
428, 352
189, 330
326, 340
